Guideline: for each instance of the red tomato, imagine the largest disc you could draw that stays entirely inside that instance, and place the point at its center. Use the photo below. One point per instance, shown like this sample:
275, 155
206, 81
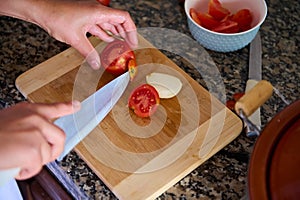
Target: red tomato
227, 26
132, 68
115, 57
216, 10
244, 18
144, 100
238, 95
194, 15
230, 104
104, 2
207, 21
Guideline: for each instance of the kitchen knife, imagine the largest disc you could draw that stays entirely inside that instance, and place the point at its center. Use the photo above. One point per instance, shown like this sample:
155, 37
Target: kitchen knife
93, 110
254, 74
78, 125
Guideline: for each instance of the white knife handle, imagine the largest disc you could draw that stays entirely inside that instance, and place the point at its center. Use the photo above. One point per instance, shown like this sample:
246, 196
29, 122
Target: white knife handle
8, 174
255, 117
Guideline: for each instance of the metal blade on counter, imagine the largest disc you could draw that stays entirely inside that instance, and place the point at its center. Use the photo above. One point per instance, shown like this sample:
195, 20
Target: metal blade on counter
255, 73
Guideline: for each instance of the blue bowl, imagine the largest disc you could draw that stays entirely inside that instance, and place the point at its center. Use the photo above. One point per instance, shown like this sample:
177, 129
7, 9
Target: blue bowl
226, 42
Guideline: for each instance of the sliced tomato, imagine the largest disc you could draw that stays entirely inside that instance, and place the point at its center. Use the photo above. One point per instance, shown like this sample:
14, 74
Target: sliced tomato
115, 57
244, 19
144, 100
219, 18
194, 15
132, 68
216, 10
207, 21
227, 26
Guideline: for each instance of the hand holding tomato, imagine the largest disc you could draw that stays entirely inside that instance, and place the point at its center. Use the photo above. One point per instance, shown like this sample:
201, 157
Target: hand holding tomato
69, 21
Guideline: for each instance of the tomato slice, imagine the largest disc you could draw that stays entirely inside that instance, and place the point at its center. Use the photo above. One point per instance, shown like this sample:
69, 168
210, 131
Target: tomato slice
115, 57
144, 100
216, 10
244, 19
227, 26
207, 21
194, 15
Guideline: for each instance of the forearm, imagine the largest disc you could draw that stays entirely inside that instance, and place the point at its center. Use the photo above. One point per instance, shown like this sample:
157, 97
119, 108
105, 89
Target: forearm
28, 10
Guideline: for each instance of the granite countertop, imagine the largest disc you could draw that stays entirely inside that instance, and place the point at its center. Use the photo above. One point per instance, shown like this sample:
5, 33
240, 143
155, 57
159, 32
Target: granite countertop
223, 176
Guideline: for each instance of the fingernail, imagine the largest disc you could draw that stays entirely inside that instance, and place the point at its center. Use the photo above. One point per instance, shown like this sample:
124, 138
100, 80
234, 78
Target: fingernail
95, 64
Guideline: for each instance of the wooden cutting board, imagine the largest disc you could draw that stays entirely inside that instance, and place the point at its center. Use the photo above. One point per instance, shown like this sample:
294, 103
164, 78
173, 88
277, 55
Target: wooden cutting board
138, 158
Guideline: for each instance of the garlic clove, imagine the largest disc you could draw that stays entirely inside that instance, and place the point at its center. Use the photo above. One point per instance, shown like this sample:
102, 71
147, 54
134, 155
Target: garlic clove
166, 85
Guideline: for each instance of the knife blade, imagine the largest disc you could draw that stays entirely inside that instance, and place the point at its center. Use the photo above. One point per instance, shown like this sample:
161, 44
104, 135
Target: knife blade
93, 110
78, 125
254, 73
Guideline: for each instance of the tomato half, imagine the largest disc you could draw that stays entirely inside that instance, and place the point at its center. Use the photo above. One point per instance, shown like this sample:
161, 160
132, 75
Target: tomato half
115, 57
144, 100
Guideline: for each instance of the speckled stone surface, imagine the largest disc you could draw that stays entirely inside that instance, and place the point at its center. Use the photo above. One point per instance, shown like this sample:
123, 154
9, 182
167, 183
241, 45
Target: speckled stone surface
224, 176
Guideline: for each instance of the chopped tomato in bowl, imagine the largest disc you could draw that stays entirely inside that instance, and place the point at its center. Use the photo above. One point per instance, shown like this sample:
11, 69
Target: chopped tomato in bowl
225, 25
220, 19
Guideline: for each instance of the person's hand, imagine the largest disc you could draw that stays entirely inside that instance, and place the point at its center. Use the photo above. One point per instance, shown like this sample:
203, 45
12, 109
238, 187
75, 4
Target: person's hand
28, 138
69, 21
